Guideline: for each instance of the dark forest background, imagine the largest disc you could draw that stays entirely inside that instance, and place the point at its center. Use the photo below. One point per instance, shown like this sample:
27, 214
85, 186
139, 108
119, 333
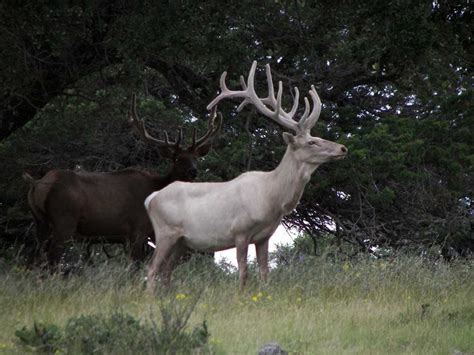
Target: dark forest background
395, 78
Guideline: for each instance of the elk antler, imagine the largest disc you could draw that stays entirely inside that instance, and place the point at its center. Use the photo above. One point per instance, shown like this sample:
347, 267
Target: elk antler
139, 126
276, 113
213, 128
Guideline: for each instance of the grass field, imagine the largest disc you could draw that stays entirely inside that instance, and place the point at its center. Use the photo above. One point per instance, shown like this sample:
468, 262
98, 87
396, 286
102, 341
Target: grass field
404, 306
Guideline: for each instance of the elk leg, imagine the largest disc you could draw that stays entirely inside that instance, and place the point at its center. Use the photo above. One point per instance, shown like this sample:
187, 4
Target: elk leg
138, 250
42, 233
107, 254
63, 230
55, 251
242, 246
88, 256
175, 255
160, 255
262, 258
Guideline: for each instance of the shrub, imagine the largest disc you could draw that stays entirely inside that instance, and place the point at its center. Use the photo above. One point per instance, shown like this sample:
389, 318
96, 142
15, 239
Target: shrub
40, 338
117, 333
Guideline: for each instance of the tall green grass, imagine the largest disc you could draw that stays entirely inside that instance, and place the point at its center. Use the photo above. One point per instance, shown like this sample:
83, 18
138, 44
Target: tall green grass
406, 305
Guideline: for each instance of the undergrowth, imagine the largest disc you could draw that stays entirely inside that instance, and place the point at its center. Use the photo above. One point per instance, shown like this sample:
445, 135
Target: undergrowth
317, 305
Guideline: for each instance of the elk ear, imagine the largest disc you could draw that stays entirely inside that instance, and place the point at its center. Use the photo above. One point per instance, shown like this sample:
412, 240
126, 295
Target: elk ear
203, 150
288, 138
166, 152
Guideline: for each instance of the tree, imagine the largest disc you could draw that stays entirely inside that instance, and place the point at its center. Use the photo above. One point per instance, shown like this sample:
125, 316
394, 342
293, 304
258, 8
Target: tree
395, 78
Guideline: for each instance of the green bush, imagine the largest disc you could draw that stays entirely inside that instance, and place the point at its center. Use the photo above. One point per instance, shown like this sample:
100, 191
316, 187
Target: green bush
40, 338
115, 334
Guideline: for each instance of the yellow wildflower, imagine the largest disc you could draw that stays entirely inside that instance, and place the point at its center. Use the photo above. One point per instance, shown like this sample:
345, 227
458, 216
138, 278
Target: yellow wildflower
181, 296
215, 341
4, 346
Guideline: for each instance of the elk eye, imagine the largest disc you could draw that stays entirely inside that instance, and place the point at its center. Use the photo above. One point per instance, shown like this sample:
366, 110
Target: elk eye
312, 143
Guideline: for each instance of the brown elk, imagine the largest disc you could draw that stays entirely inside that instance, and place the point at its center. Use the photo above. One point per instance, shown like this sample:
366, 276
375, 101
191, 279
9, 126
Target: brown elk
92, 206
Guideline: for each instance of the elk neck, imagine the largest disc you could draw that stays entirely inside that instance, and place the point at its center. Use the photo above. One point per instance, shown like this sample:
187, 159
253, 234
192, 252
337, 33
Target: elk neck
289, 180
161, 181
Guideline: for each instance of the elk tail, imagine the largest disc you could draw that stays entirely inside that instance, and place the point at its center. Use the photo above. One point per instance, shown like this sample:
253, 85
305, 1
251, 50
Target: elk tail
36, 209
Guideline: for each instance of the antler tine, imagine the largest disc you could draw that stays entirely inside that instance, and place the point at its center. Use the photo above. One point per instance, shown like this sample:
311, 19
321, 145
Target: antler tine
224, 91
246, 100
278, 102
212, 128
179, 138
295, 103
270, 99
193, 144
132, 110
167, 141
308, 121
138, 123
306, 111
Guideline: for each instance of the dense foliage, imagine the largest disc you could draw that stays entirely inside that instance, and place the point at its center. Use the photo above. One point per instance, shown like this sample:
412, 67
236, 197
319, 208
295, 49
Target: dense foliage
395, 78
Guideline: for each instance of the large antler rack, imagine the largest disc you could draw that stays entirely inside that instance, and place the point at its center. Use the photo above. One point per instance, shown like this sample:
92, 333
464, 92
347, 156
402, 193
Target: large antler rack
139, 126
271, 106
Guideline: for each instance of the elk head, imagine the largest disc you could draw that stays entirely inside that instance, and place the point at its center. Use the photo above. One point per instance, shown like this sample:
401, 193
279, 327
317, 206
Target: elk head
306, 148
184, 158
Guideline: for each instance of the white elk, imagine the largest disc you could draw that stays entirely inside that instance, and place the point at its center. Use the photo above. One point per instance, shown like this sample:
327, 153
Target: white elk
247, 209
